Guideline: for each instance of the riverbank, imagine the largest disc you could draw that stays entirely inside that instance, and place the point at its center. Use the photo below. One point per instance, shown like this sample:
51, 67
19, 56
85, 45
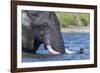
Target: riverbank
75, 29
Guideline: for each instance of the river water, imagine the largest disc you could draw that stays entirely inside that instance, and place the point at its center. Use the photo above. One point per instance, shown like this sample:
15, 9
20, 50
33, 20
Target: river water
73, 41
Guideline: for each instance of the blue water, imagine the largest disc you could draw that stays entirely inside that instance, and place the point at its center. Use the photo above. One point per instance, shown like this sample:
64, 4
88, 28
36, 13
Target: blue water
73, 41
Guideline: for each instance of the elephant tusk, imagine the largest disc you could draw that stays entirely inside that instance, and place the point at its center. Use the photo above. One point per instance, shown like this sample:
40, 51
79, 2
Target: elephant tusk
68, 51
51, 50
72, 52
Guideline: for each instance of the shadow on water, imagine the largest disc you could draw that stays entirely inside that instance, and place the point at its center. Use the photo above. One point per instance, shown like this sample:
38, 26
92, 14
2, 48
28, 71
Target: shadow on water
72, 41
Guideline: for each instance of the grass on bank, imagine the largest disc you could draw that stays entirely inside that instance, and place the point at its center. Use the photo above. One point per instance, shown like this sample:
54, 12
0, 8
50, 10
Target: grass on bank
67, 19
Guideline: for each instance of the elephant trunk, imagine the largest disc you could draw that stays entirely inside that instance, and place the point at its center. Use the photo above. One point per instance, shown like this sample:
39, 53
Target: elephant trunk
53, 37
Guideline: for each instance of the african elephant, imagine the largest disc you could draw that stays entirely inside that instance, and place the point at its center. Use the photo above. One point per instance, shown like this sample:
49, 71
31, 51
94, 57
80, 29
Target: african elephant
41, 27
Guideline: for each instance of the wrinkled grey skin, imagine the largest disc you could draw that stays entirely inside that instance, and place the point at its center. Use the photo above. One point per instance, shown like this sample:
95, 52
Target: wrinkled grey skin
41, 27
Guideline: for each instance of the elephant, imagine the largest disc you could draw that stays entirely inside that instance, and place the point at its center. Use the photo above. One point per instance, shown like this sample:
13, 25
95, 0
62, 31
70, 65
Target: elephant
41, 27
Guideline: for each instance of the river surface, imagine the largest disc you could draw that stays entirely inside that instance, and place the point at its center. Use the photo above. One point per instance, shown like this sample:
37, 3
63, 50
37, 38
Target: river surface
73, 41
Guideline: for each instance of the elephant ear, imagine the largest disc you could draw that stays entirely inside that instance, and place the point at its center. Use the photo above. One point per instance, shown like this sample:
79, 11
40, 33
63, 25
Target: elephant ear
27, 39
56, 38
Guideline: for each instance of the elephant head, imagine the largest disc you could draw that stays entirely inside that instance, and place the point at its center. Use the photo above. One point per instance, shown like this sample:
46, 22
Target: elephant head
41, 27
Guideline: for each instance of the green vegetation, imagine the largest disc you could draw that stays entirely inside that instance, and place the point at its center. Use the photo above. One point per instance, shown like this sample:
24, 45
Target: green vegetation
75, 19
85, 19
